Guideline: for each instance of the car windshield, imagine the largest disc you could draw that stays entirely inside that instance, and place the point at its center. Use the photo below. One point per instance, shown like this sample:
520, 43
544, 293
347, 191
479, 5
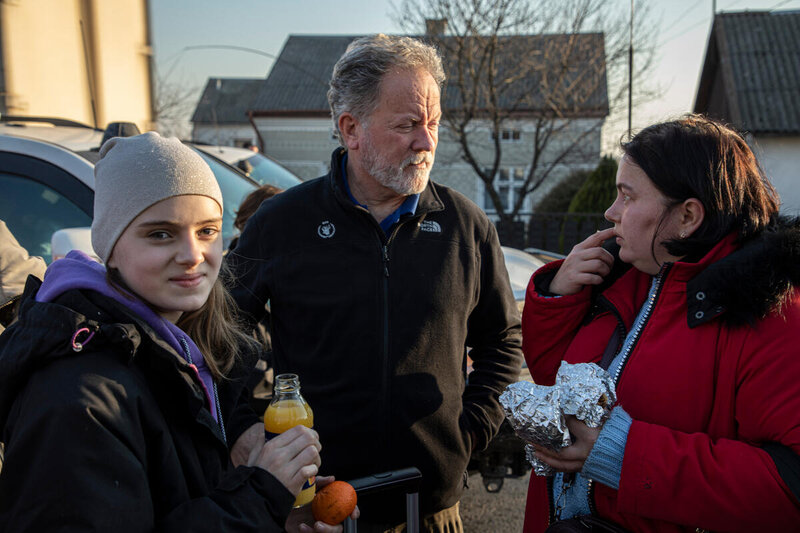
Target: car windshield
234, 189
268, 172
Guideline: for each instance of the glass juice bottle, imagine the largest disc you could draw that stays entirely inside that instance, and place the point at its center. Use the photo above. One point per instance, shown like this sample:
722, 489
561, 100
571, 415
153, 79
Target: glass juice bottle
286, 410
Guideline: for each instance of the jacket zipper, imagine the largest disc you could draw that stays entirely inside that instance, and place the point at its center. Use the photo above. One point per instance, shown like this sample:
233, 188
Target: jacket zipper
650, 304
384, 249
385, 356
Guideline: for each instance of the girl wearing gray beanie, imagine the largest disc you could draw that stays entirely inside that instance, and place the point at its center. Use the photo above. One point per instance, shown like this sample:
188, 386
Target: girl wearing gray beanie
120, 384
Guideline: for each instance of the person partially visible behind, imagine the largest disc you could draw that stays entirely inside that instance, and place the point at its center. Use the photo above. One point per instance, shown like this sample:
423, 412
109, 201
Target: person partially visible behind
245, 166
15, 267
111, 380
696, 317
250, 205
258, 381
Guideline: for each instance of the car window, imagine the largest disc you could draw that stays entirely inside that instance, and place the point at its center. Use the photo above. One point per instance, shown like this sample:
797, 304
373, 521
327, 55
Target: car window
33, 212
234, 188
268, 172
520, 266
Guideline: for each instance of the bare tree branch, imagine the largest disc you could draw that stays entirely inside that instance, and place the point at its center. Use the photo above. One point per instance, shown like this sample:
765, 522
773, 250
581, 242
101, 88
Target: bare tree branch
174, 104
547, 64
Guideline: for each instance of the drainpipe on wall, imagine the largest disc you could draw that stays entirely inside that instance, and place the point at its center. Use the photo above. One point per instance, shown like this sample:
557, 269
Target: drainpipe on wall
151, 68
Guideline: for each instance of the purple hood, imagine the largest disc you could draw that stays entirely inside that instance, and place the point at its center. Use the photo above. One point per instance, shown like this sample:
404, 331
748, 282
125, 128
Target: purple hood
78, 271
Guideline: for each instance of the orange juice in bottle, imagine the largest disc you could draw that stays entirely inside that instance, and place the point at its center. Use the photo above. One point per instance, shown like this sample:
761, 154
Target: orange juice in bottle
287, 410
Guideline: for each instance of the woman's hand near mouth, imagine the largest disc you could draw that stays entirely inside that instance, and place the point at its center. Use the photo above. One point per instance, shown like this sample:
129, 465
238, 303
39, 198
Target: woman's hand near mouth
587, 264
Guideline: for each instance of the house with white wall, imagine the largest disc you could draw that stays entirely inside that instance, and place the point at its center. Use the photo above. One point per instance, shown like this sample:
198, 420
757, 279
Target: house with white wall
292, 117
221, 116
751, 80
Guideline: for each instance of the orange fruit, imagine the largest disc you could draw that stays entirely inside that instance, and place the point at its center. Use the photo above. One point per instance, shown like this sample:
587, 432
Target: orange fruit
334, 502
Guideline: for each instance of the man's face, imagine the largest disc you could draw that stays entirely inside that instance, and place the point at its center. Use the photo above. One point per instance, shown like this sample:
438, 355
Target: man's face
399, 138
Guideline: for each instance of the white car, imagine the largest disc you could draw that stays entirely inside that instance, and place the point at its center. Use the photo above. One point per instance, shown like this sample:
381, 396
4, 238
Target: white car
257, 166
48, 186
520, 265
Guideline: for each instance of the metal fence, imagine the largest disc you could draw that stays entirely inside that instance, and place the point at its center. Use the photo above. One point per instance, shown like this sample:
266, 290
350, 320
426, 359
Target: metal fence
555, 232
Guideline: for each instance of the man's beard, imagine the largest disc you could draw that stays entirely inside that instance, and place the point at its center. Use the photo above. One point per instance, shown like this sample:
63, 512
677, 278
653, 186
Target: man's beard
399, 178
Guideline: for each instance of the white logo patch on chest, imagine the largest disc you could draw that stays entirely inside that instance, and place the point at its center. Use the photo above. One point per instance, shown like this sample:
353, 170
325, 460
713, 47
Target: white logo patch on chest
430, 226
326, 230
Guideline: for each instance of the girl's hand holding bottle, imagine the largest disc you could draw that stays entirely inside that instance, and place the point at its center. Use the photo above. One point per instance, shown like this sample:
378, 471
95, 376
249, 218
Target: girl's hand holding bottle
292, 457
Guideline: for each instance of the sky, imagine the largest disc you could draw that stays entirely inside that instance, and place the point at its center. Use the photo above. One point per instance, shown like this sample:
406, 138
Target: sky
184, 33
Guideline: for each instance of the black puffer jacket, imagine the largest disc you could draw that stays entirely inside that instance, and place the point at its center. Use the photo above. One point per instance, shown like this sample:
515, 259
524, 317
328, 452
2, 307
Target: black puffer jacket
377, 327
115, 437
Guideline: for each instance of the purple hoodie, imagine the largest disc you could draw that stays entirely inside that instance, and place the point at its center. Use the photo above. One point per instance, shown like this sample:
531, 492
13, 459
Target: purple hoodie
78, 271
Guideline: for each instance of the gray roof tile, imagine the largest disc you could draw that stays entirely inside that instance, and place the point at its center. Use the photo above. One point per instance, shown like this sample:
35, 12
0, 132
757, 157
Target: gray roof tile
759, 52
226, 100
299, 78
298, 81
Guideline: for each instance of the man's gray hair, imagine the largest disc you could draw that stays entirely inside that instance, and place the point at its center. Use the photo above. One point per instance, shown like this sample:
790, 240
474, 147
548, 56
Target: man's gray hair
357, 75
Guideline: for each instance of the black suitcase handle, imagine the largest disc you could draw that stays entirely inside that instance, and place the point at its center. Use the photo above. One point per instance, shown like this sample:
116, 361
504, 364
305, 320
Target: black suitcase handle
407, 479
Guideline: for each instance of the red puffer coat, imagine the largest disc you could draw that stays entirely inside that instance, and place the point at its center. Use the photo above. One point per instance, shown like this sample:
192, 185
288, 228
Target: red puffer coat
712, 385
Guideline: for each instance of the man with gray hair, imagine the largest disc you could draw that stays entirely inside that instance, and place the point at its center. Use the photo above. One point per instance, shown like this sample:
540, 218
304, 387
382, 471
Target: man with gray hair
379, 280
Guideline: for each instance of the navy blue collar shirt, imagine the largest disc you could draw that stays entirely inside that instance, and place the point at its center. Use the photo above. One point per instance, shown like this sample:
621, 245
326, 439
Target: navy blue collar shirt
408, 207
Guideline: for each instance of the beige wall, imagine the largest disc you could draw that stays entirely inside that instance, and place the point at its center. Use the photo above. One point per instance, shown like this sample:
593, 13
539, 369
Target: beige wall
45, 61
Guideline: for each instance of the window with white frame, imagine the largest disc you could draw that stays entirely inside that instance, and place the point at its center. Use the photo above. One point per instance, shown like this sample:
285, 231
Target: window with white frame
509, 183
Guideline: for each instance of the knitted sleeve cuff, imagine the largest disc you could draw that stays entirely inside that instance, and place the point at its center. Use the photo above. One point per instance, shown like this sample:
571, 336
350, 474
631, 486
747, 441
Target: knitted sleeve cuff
542, 283
604, 463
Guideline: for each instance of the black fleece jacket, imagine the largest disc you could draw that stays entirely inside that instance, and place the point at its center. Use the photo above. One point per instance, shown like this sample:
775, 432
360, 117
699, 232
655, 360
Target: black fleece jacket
377, 326
116, 437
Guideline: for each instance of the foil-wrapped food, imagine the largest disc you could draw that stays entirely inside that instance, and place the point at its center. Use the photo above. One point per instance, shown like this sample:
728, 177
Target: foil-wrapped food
537, 412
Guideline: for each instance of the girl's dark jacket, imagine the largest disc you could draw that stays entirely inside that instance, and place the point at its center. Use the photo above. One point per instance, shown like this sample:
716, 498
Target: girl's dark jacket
118, 436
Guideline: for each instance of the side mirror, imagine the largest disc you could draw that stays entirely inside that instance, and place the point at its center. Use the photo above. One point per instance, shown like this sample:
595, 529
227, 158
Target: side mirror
67, 239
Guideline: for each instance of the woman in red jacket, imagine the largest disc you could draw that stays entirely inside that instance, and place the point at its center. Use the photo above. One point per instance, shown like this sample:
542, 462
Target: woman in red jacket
700, 336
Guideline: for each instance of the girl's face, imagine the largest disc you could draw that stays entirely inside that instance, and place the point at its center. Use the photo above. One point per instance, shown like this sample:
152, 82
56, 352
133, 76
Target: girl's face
170, 254
641, 216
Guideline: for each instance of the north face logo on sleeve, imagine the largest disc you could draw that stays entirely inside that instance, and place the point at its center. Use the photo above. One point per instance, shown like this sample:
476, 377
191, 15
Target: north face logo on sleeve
430, 226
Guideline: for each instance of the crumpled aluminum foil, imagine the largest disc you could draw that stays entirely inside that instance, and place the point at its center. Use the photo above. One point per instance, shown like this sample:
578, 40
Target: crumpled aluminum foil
539, 468
587, 391
534, 411
537, 412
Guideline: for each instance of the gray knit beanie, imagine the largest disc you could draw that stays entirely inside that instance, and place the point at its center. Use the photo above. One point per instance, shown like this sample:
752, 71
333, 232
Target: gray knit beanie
136, 172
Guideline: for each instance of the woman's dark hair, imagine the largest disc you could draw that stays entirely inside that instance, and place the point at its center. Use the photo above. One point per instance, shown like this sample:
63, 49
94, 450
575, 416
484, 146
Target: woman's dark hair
697, 157
251, 202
